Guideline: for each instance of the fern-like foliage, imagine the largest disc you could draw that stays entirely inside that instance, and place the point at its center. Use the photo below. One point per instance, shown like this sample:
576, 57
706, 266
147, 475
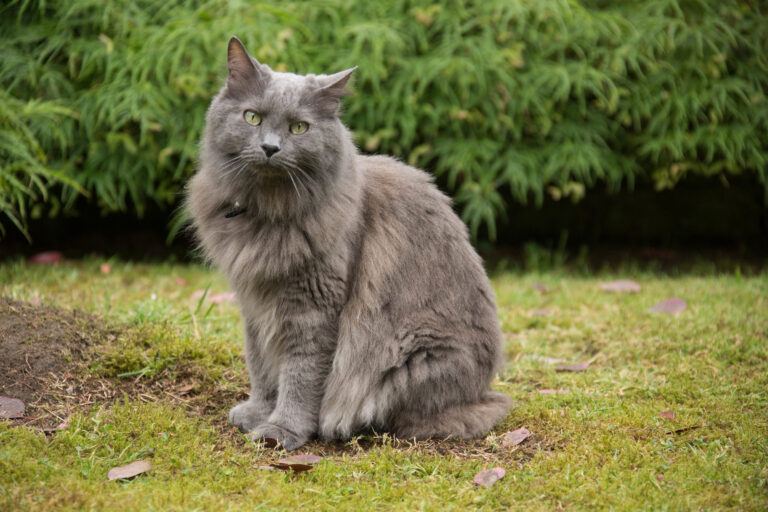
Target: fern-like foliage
554, 96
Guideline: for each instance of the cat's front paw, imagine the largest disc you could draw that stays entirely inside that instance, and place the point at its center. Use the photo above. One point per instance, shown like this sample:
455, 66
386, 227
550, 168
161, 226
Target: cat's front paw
247, 415
270, 433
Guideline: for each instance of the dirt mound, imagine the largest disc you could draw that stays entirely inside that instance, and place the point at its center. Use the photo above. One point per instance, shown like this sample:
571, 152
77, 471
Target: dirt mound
41, 351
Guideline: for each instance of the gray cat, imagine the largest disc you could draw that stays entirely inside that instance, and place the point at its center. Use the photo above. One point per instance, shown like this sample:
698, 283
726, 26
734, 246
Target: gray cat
364, 304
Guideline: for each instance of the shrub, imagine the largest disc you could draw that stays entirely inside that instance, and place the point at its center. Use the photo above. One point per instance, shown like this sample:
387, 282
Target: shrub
549, 97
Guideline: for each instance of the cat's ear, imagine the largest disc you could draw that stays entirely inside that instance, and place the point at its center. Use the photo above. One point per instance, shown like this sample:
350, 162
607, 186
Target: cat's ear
332, 89
245, 73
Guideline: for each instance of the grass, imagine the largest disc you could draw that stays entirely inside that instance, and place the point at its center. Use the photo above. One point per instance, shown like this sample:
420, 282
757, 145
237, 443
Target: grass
601, 445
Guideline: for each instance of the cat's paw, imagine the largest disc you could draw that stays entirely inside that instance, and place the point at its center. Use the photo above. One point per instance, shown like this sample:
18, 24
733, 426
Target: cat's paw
247, 415
269, 433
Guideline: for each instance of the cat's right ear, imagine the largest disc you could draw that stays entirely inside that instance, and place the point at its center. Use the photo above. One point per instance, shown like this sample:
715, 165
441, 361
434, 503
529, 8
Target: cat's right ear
245, 73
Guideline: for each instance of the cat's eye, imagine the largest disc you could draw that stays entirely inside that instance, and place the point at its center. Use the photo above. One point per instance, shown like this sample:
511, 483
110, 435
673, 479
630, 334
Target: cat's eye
298, 127
252, 118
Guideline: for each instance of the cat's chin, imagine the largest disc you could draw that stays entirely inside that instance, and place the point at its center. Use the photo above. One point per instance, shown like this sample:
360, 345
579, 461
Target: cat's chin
268, 173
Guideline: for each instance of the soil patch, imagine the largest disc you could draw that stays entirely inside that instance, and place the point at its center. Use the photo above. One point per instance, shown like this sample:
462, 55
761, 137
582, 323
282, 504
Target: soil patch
45, 355
42, 352
45, 359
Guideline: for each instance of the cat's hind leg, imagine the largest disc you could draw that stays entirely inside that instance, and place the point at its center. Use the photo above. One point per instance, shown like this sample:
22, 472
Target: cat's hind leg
463, 421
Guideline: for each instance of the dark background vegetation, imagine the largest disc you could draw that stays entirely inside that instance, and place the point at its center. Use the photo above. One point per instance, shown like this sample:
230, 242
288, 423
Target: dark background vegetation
566, 122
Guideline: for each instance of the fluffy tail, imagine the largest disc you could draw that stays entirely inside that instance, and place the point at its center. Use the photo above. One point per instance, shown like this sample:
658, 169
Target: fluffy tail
463, 421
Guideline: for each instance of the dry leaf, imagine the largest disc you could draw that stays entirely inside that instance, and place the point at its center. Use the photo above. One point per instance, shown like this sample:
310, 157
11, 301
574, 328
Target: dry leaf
298, 463
623, 285
670, 415
46, 258
488, 477
11, 407
578, 367
105, 268
671, 306
220, 298
183, 390
515, 437
554, 391
129, 470
545, 359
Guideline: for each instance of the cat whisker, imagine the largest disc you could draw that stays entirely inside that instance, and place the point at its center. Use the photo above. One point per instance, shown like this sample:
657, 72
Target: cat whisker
290, 175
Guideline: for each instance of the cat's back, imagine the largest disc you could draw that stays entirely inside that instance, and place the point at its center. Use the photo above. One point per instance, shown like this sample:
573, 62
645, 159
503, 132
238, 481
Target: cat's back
407, 198
413, 245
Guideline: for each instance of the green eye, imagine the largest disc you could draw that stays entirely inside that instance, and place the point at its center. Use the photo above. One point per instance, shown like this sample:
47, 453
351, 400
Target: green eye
252, 118
298, 127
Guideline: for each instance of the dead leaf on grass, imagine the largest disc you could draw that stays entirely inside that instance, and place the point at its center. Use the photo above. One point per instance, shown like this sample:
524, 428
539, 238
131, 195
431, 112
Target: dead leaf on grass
545, 359
46, 258
183, 390
670, 415
220, 298
488, 477
670, 306
622, 285
129, 470
11, 407
298, 463
577, 367
515, 437
554, 391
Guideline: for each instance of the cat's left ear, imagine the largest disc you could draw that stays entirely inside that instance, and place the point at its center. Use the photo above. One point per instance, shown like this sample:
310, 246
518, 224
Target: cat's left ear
332, 89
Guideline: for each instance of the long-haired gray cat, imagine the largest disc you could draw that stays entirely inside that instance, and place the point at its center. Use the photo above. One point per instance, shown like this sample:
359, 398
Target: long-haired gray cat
364, 304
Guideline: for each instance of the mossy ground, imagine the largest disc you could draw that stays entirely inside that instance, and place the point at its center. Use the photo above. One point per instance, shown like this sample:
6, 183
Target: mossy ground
176, 365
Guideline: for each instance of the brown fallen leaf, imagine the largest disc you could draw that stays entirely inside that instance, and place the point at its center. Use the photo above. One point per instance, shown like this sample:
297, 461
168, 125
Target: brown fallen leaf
129, 470
515, 437
670, 415
105, 268
11, 407
623, 285
298, 463
577, 367
544, 359
183, 390
554, 391
488, 477
670, 306
220, 298
46, 258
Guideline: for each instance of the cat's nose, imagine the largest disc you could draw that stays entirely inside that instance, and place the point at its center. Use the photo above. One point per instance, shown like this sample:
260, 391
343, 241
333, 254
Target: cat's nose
269, 149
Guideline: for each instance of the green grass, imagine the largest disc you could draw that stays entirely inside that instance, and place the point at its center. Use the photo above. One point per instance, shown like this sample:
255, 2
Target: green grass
602, 445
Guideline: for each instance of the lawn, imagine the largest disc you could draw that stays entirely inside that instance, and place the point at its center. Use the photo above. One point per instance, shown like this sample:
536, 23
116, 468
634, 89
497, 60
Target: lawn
670, 414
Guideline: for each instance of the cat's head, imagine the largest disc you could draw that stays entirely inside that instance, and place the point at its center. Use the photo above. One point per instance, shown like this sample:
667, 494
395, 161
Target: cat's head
275, 129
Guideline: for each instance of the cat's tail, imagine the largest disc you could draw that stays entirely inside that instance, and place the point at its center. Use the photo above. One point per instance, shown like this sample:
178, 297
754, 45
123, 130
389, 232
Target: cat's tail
464, 421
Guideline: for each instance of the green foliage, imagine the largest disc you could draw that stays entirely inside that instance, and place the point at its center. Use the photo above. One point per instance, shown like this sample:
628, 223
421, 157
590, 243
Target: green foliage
496, 97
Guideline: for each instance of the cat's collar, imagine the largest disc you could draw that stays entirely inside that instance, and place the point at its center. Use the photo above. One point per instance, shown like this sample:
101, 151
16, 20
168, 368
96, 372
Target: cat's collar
235, 210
